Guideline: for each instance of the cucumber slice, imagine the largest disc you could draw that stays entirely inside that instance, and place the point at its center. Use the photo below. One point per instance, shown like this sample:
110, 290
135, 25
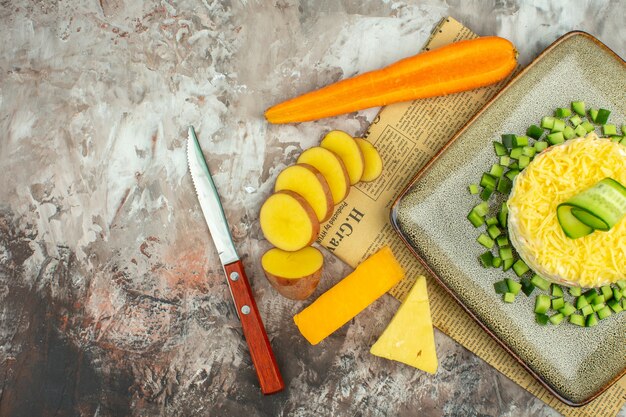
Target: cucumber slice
502, 241
575, 120
556, 318
507, 140
588, 126
523, 161
604, 313
513, 286
486, 259
534, 131
529, 151
497, 170
475, 219
511, 174
520, 267
558, 126
542, 304
555, 138
497, 262
556, 291
581, 302
609, 130
547, 122
580, 131
506, 263
575, 291
500, 149
488, 180
491, 221
541, 319
505, 160
593, 115
569, 133
558, 303
527, 286
508, 297
540, 282
615, 306
540, 146
485, 240
602, 117
506, 253
486, 193
501, 287
579, 107
598, 207
473, 188
568, 309
586, 310
562, 112
617, 294
577, 319
592, 320
516, 153
520, 141
607, 292
504, 185
494, 231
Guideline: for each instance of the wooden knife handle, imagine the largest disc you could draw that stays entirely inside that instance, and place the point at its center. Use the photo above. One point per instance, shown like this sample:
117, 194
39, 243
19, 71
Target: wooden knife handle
259, 345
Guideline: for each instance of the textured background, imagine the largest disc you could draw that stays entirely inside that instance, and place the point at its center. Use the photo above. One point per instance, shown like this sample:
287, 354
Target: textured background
112, 299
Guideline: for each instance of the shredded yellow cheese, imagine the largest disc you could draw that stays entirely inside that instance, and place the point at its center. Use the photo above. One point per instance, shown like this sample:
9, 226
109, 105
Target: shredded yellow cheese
550, 179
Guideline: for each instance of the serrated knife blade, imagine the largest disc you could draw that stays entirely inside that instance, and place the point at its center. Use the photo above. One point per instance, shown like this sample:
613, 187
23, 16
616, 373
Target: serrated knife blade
259, 346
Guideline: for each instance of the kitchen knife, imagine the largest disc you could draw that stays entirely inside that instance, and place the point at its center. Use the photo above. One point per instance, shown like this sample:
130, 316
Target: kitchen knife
251, 323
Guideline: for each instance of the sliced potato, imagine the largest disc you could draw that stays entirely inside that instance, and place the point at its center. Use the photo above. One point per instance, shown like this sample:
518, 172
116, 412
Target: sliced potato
293, 274
308, 182
373, 163
288, 221
331, 167
347, 149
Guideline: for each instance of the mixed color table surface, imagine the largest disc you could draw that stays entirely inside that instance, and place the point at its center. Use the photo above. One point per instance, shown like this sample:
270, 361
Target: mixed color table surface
112, 298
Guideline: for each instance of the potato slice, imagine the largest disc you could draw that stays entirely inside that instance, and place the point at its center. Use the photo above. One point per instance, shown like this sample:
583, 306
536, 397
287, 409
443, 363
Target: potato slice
308, 182
293, 274
288, 221
373, 163
347, 149
331, 167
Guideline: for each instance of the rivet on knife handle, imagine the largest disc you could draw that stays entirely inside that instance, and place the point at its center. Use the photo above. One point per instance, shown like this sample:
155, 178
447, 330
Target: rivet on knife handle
259, 345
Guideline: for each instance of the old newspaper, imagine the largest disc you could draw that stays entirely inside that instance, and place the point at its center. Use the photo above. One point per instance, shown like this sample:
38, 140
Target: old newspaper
407, 135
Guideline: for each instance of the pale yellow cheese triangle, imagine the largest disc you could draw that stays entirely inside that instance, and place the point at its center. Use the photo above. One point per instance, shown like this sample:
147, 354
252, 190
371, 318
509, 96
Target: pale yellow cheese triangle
409, 337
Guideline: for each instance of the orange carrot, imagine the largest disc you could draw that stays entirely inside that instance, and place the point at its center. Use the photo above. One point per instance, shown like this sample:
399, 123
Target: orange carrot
460, 66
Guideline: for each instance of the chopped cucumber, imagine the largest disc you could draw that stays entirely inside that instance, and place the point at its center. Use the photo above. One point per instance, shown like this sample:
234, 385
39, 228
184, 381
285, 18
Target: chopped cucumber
541, 319
588, 126
540, 282
497, 170
520, 267
607, 292
485, 240
507, 140
527, 286
624, 129
475, 219
605, 312
580, 131
511, 174
575, 291
621, 284
486, 259
542, 304
592, 320
575, 120
587, 310
547, 122
559, 126
616, 139
597, 307
615, 306
488, 180
609, 130
568, 133
508, 297
617, 294
506, 253
534, 131
501, 287
502, 216
556, 318
579, 107
505, 160
555, 138
497, 262
504, 185
557, 291
568, 309
599, 299
486, 193
540, 146
558, 303
507, 263
523, 161
601, 118
581, 302
482, 209
520, 141
504, 241
491, 221
514, 286
499, 148
494, 231
529, 151
514, 165
562, 112
590, 295
577, 319
516, 153
473, 188
593, 115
